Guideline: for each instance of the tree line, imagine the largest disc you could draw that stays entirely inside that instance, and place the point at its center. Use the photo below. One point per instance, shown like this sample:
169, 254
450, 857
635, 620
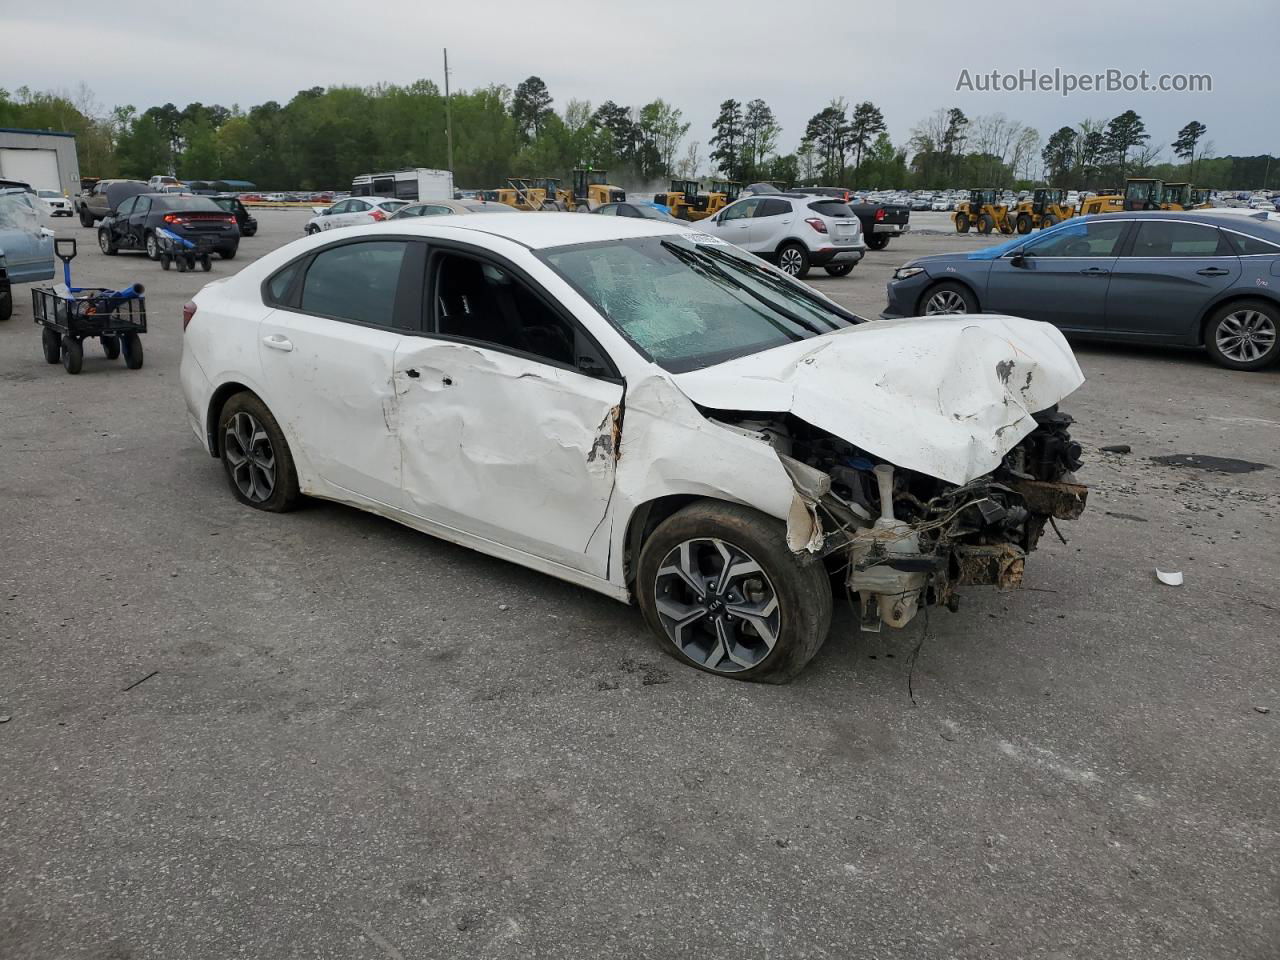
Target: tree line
322, 137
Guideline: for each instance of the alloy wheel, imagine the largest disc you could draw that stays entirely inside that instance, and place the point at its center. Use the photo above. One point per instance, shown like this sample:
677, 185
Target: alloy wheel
944, 301
791, 261
247, 448
1245, 335
717, 605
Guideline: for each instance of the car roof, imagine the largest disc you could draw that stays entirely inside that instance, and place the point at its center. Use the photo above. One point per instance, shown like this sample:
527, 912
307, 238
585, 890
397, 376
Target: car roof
1263, 227
545, 229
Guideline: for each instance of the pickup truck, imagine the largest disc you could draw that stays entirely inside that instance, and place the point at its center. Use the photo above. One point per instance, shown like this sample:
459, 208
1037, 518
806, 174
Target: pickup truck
100, 200
881, 222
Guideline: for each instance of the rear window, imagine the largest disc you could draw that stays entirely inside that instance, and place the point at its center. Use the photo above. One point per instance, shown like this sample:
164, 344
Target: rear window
1252, 246
187, 203
486, 207
390, 205
831, 208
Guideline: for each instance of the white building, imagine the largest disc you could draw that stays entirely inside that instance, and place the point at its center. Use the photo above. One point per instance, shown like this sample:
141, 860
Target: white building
43, 158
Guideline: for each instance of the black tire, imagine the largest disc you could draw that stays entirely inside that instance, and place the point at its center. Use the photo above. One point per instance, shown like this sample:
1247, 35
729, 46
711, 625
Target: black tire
312, 230
182, 264
946, 297
105, 243
798, 582
1024, 223
840, 269
151, 244
1047, 221
111, 347
793, 259
51, 344
6, 302
878, 241
131, 347
1244, 335
986, 224
86, 218
284, 494
72, 355
962, 222
228, 254
205, 263
248, 233
166, 261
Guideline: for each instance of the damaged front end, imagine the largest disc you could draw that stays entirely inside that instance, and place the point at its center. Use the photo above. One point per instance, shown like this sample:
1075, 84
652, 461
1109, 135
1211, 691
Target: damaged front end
899, 539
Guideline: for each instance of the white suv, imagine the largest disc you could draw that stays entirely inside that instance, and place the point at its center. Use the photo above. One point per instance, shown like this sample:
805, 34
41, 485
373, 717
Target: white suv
794, 231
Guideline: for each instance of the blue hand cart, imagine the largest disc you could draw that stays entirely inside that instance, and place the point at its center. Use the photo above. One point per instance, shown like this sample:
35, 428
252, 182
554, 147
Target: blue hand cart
70, 315
186, 252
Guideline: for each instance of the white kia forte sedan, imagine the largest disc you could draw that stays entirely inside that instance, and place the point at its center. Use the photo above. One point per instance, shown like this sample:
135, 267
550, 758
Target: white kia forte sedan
643, 410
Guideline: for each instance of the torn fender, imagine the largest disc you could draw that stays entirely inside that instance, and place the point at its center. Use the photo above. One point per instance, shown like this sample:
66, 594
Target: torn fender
945, 396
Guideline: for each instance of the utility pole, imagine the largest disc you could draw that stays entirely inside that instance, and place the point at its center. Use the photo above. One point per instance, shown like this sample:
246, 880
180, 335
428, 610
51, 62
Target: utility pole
448, 116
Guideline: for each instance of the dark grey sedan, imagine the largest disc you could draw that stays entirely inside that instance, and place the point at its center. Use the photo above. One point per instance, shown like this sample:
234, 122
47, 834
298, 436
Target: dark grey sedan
1185, 278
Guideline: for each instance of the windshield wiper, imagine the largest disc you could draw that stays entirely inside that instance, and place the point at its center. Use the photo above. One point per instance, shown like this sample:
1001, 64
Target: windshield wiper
697, 258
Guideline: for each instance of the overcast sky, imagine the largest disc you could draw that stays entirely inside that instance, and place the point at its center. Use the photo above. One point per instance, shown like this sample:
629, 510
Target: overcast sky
906, 57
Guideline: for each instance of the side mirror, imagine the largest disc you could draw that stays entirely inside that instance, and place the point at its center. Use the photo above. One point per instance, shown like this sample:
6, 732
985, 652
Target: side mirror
1019, 259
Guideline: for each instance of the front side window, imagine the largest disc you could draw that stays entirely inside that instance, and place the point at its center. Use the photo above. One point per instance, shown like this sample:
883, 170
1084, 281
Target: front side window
689, 305
477, 300
1095, 238
356, 281
1162, 238
126, 208
609, 210
741, 209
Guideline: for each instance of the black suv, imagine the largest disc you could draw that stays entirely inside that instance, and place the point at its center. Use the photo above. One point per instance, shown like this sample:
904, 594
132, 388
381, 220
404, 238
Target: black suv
132, 226
231, 203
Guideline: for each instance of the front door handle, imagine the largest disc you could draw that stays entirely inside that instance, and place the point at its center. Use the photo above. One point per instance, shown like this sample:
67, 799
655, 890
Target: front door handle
1096, 272
1213, 272
277, 342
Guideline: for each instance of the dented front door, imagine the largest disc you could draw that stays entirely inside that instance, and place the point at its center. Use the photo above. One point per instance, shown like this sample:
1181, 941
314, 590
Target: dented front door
508, 448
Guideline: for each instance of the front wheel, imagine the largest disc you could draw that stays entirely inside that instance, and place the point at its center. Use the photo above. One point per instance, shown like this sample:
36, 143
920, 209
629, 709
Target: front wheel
878, 241
962, 223
1047, 221
51, 343
722, 592
131, 347
255, 455
839, 269
106, 244
1244, 335
793, 259
947, 297
986, 223
312, 230
1024, 223
72, 355
110, 347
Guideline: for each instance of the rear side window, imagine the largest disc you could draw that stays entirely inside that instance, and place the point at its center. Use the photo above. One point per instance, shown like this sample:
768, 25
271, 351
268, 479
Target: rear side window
1161, 238
1252, 246
278, 286
773, 208
831, 208
356, 281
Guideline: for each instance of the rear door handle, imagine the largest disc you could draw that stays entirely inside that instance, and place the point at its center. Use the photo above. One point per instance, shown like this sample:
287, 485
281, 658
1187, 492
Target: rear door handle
1213, 272
1095, 272
277, 342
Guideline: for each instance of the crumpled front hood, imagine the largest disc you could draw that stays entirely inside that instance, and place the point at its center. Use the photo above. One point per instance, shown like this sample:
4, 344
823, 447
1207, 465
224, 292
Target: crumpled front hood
947, 396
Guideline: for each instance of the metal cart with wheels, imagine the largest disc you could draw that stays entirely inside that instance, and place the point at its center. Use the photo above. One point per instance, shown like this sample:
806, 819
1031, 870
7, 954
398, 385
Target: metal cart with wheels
70, 315
184, 251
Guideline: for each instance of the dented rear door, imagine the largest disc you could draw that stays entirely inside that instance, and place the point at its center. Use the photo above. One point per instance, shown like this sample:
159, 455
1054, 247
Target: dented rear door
508, 448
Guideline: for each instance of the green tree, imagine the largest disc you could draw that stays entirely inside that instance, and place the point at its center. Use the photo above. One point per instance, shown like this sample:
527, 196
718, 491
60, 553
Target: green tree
530, 107
760, 132
1059, 155
1123, 133
865, 124
726, 141
1185, 146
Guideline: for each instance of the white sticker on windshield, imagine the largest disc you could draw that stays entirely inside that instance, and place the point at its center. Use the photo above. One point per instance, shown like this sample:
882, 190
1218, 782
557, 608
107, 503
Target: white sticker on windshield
704, 238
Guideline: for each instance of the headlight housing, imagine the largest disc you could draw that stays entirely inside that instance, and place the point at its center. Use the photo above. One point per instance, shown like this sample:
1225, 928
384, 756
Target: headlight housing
904, 273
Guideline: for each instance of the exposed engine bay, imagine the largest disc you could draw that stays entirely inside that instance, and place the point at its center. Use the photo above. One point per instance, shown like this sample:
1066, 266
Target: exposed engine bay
900, 539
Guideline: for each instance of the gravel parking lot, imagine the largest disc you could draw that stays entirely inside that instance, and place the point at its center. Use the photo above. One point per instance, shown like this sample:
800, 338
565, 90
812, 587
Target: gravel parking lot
234, 734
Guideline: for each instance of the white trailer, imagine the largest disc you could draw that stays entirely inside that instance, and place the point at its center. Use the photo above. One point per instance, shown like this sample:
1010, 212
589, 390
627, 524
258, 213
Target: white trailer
42, 158
418, 184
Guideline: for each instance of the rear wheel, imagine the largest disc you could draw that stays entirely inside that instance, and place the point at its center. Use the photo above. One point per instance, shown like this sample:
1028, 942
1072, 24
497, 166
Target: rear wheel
722, 592
986, 223
1024, 223
110, 346
1244, 335
86, 218
793, 259
947, 297
52, 345
166, 261
962, 222
839, 269
6, 302
227, 254
153, 247
72, 355
131, 347
255, 455
1047, 221
878, 241
205, 263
